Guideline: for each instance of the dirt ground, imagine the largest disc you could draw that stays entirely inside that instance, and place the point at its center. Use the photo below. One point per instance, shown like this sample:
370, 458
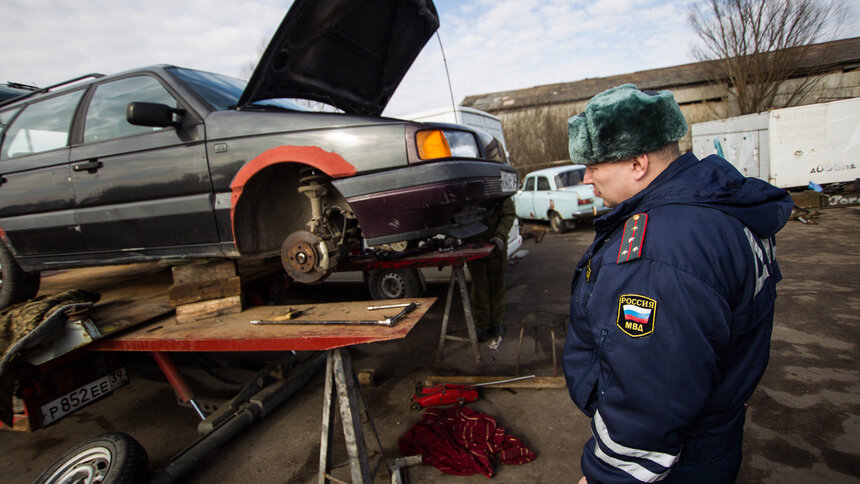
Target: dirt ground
803, 424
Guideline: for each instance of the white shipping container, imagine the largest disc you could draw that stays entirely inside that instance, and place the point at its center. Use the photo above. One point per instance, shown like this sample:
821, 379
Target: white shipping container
788, 147
741, 140
818, 142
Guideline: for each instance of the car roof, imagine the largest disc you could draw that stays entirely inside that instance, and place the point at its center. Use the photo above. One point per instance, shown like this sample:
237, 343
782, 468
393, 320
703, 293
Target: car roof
75, 83
555, 170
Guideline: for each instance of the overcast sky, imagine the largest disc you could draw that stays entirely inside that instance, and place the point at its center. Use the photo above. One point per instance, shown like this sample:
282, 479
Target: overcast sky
490, 45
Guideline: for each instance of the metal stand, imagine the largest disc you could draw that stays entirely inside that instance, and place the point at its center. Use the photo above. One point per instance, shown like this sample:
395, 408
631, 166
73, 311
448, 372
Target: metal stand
340, 380
458, 276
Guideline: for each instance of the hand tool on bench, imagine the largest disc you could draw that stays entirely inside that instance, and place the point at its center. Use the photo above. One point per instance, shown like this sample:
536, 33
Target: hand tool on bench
389, 321
391, 306
289, 315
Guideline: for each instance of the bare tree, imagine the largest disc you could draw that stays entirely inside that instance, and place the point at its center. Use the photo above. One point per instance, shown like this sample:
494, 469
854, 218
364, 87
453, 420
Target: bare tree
760, 49
536, 135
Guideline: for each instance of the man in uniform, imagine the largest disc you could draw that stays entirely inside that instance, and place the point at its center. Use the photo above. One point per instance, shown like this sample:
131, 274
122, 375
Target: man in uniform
488, 275
672, 305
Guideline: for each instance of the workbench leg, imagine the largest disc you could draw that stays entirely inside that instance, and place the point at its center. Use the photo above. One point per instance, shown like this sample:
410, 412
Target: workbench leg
327, 420
458, 277
448, 300
340, 379
467, 308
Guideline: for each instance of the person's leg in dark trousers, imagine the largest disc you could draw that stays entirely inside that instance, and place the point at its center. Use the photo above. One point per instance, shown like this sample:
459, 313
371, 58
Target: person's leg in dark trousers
480, 297
496, 264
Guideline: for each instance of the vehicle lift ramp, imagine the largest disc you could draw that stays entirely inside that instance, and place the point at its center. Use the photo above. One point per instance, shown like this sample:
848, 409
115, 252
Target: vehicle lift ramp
235, 333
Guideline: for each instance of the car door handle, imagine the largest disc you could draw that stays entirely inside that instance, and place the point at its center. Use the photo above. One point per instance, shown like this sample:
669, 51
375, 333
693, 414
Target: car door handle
90, 166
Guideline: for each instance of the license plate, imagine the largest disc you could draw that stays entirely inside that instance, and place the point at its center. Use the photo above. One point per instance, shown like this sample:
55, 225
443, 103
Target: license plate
82, 396
509, 182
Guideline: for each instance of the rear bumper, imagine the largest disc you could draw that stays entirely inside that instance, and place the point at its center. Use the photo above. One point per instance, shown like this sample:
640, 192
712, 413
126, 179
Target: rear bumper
419, 201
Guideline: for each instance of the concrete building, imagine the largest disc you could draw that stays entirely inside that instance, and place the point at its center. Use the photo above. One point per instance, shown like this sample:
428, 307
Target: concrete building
701, 97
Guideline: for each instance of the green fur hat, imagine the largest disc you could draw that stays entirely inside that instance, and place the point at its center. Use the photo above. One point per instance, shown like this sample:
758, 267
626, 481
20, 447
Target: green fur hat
624, 122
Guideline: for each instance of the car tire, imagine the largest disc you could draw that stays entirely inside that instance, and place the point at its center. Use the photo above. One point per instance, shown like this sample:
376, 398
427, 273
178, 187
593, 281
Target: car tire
109, 458
395, 284
557, 223
16, 285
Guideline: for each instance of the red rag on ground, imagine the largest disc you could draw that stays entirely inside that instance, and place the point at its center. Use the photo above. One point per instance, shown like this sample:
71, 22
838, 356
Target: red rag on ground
462, 441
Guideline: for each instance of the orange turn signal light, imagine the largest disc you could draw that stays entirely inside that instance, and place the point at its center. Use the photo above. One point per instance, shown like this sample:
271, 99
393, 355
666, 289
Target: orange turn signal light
432, 144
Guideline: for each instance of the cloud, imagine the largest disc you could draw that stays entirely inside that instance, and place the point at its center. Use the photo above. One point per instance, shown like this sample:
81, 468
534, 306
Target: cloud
56, 40
512, 44
490, 45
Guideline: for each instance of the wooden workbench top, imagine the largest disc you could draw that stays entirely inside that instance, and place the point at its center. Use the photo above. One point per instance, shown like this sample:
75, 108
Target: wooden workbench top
234, 332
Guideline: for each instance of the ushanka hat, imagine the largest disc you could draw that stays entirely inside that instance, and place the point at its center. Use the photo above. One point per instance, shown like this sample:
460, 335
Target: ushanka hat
624, 122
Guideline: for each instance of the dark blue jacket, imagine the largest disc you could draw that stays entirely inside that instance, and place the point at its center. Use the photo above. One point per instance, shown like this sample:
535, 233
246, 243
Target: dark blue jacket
670, 330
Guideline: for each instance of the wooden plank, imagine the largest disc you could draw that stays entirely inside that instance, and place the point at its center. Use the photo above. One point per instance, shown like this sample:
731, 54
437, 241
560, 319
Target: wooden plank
203, 271
208, 309
536, 382
193, 292
130, 294
234, 332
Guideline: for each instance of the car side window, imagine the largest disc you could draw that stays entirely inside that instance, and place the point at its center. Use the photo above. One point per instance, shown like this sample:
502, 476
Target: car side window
530, 184
106, 113
42, 126
542, 184
569, 178
6, 118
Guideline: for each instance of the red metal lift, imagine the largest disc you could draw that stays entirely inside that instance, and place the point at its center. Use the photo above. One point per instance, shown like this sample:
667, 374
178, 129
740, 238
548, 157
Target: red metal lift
234, 333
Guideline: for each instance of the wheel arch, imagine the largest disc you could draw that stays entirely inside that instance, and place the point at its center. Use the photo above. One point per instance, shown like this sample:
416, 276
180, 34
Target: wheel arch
266, 189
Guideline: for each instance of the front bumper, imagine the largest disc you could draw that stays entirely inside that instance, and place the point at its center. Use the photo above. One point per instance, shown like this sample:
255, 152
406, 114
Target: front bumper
419, 201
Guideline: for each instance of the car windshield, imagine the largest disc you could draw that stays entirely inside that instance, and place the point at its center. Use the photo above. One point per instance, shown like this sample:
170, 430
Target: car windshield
222, 93
570, 178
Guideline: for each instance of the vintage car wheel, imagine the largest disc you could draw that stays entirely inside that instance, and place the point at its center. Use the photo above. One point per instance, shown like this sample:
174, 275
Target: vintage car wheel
394, 284
109, 458
301, 258
557, 223
15, 284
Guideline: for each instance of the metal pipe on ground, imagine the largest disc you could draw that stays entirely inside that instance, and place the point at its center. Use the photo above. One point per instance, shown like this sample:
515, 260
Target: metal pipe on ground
259, 405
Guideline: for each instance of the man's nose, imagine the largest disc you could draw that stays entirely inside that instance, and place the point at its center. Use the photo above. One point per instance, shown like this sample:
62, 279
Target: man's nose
587, 177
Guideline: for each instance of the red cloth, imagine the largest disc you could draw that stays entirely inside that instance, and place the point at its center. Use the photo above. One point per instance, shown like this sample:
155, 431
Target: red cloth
462, 441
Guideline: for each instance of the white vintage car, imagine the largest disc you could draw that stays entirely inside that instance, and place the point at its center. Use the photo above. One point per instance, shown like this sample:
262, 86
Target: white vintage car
558, 195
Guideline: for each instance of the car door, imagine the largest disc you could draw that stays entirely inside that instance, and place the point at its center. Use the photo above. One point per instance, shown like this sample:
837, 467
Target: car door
542, 197
140, 187
524, 201
36, 198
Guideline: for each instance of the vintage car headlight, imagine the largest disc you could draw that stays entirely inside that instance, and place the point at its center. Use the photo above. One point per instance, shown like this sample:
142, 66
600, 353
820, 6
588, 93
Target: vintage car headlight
445, 143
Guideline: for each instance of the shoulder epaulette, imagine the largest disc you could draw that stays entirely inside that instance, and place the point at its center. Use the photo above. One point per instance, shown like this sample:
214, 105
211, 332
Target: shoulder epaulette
632, 238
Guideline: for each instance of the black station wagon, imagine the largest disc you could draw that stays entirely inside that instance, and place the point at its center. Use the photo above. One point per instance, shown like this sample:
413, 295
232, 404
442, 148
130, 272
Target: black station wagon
166, 162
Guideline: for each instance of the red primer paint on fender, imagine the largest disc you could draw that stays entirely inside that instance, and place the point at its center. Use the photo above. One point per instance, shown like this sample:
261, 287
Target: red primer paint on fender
330, 163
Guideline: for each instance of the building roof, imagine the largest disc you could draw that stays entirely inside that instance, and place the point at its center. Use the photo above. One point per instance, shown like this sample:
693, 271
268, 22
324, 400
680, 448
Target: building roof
840, 53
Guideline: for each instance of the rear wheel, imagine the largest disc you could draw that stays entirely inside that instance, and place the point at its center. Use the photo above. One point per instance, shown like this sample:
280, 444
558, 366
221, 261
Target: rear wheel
112, 458
395, 284
15, 284
557, 223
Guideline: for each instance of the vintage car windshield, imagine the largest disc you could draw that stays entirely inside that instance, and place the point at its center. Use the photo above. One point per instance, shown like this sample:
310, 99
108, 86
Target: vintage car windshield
222, 93
570, 178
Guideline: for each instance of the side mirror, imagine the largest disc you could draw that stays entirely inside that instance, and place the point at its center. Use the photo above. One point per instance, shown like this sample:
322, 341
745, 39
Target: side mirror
153, 114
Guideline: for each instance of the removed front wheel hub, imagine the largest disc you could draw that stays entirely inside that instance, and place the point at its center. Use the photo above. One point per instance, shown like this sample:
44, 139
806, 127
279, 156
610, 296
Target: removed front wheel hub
301, 258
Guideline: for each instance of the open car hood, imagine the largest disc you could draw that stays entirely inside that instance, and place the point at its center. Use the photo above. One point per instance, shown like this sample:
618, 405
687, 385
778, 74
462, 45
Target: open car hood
351, 54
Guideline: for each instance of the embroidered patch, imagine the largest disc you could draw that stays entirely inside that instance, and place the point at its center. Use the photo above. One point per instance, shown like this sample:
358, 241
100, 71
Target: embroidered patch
632, 238
636, 315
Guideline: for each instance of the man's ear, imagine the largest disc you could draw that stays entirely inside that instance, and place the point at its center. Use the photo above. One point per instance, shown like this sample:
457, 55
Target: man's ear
640, 167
